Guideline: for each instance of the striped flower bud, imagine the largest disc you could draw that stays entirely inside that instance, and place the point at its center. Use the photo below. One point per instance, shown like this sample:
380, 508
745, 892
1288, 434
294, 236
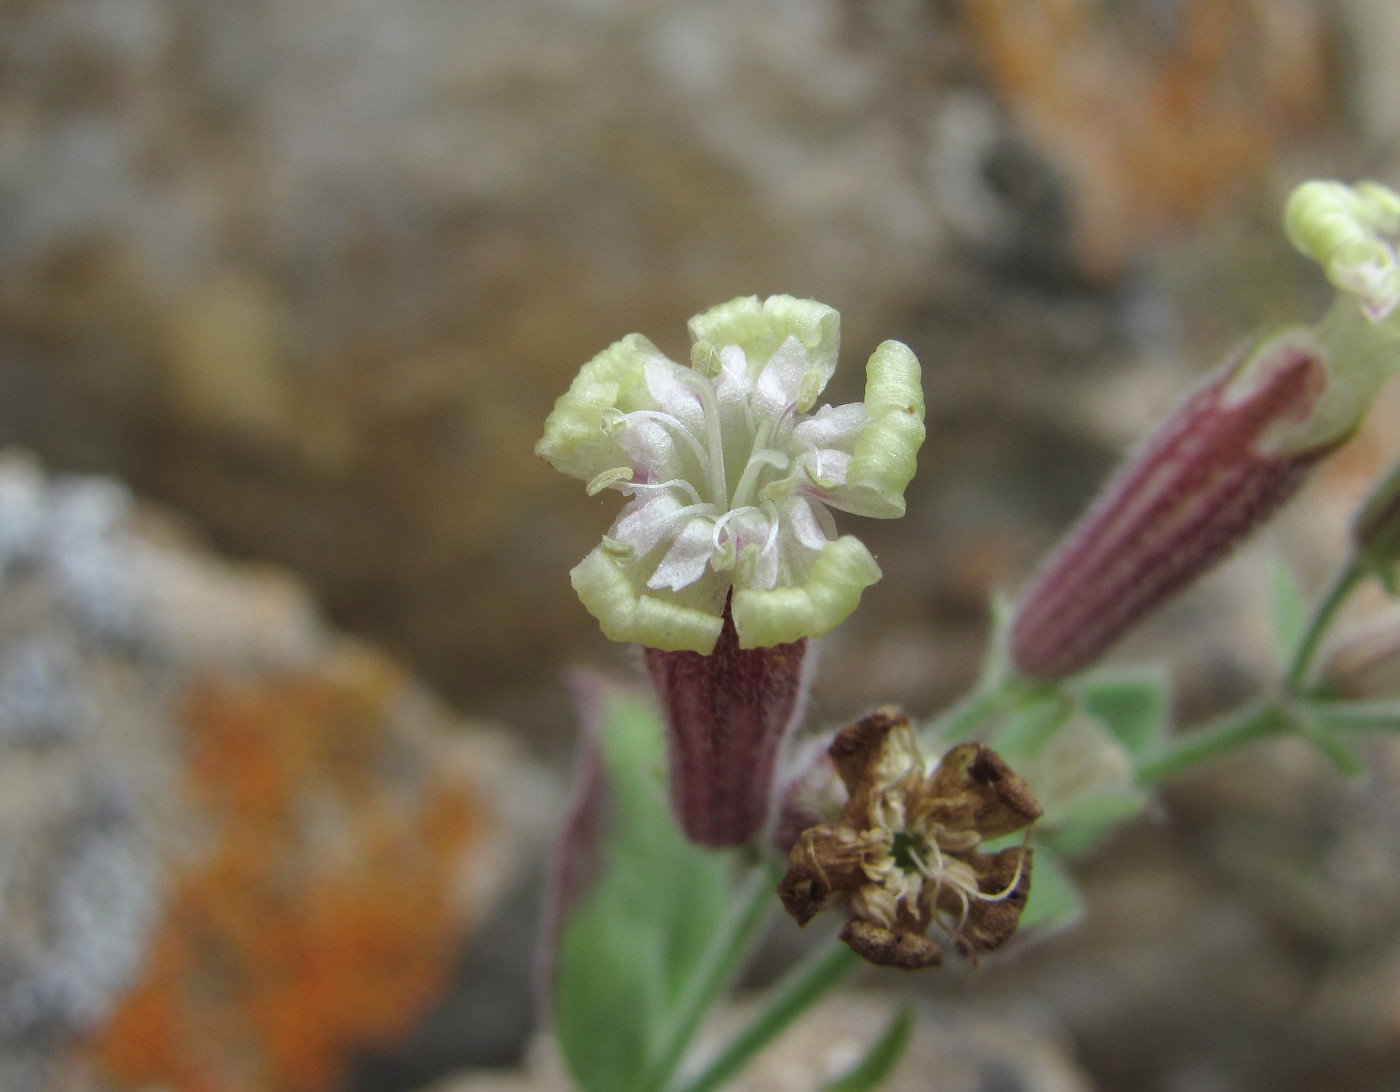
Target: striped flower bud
1219, 466
1230, 455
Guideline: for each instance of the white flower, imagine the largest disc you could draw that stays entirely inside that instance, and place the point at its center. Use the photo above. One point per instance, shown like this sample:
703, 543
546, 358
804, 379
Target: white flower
731, 475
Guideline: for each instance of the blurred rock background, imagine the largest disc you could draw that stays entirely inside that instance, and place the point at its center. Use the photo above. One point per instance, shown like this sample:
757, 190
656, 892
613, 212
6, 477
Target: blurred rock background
310, 273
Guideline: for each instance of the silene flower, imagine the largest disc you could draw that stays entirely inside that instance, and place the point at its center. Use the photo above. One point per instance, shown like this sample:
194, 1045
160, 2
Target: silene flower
732, 475
905, 854
726, 558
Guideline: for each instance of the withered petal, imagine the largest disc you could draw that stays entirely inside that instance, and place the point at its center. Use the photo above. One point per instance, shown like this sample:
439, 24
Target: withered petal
906, 951
973, 789
823, 869
867, 755
990, 924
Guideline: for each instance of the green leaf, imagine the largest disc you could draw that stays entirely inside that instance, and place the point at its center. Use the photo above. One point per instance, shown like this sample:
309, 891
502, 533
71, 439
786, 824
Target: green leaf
632, 944
1025, 733
1055, 901
1347, 762
1290, 613
1081, 824
1134, 705
997, 664
879, 1061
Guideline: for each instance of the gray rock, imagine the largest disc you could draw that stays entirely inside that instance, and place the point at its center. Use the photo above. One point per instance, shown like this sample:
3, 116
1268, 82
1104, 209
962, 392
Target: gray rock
115, 631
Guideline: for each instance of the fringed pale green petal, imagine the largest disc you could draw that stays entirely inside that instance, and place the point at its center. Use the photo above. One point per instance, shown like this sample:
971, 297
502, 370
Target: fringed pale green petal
612, 597
832, 591
887, 449
759, 328
574, 441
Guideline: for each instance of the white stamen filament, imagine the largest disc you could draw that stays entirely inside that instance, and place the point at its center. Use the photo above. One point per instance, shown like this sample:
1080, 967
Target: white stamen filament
675, 483
714, 467
722, 523
763, 457
941, 874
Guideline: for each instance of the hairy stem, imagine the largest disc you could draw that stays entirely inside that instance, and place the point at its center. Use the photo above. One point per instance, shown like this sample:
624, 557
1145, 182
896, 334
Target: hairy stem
800, 990
984, 705
1204, 744
752, 907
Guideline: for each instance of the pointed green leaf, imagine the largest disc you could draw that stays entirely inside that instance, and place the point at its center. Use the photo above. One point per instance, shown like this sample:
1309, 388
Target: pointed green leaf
1055, 901
1134, 705
879, 1061
1025, 733
1346, 761
1082, 824
1315, 730
634, 941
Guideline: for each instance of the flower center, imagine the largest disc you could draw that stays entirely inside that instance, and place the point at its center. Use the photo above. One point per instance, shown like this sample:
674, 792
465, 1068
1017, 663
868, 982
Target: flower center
909, 852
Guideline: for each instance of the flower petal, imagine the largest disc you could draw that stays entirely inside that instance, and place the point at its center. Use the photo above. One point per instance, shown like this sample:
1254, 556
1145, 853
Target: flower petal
901, 949
886, 451
832, 426
759, 328
753, 542
650, 449
666, 384
574, 441
610, 594
646, 521
800, 517
974, 790
832, 590
824, 868
1004, 880
780, 382
686, 560
872, 755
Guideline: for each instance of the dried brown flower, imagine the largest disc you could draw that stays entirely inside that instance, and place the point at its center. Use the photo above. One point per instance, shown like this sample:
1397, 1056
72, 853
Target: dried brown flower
904, 853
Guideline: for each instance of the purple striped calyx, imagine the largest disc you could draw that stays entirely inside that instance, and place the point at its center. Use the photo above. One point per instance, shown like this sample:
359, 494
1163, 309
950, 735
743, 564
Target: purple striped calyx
1235, 450
1219, 466
727, 715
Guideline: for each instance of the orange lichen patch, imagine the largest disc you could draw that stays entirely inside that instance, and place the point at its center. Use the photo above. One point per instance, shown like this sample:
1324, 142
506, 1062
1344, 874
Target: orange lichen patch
320, 919
1153, 136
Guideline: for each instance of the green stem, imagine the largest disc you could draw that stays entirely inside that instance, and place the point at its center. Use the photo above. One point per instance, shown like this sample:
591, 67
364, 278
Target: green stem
1357, 716
1204, 744
1345, 583
964, 719
727, 948
803, 987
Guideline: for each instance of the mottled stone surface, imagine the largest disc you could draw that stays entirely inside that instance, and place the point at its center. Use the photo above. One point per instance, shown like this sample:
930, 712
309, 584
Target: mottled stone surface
235, 848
